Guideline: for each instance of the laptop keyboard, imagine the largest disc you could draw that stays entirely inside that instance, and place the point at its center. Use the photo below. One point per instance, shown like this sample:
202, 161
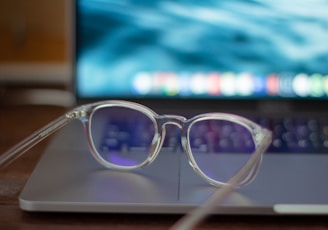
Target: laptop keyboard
299, 135
290, 135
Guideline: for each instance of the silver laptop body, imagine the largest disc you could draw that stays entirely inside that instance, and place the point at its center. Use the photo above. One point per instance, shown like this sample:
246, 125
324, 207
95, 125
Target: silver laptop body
187, 39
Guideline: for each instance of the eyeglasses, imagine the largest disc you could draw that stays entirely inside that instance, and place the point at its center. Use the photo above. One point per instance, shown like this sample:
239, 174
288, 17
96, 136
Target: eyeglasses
225, 149
125, 136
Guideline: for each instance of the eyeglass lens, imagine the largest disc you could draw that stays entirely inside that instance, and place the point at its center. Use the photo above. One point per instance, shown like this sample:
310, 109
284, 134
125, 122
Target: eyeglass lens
220, 148
123, 136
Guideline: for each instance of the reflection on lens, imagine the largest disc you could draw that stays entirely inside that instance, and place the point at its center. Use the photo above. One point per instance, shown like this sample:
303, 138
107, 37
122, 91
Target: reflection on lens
122, 136
220, 148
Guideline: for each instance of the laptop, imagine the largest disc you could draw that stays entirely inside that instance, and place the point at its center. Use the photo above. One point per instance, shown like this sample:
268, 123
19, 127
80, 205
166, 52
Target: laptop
265, 60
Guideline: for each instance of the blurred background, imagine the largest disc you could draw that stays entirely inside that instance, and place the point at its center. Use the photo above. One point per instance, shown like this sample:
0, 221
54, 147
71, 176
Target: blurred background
34, 61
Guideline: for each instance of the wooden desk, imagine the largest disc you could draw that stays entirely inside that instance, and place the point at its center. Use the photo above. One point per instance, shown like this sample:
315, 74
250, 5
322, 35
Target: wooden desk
16, 122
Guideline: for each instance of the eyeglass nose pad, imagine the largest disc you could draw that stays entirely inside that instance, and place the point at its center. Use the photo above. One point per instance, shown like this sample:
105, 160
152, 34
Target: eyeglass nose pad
160, 136
157, 141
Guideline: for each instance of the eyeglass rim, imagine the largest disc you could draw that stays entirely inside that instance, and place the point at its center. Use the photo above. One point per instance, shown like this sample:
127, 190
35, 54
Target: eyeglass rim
254, 129
156, 142
260, 137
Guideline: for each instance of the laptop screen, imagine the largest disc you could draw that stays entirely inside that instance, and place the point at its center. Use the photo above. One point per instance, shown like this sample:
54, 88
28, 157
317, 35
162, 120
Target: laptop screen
202, 49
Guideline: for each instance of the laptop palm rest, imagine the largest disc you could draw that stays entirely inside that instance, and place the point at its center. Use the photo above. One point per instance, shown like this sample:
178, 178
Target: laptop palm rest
68, 179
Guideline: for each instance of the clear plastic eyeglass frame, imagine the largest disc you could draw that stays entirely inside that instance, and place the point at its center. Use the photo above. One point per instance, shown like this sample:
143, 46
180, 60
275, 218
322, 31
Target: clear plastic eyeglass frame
261, 136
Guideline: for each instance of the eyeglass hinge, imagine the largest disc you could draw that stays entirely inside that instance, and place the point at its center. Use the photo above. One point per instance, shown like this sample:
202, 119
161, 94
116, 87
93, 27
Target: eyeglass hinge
76, 114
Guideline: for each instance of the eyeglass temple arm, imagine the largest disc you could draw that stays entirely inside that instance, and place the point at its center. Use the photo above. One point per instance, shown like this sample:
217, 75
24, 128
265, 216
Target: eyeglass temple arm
18, 150
193, 218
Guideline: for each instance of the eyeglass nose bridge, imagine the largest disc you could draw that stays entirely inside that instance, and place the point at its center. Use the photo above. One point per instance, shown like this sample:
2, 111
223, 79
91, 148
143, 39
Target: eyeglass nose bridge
167, 119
